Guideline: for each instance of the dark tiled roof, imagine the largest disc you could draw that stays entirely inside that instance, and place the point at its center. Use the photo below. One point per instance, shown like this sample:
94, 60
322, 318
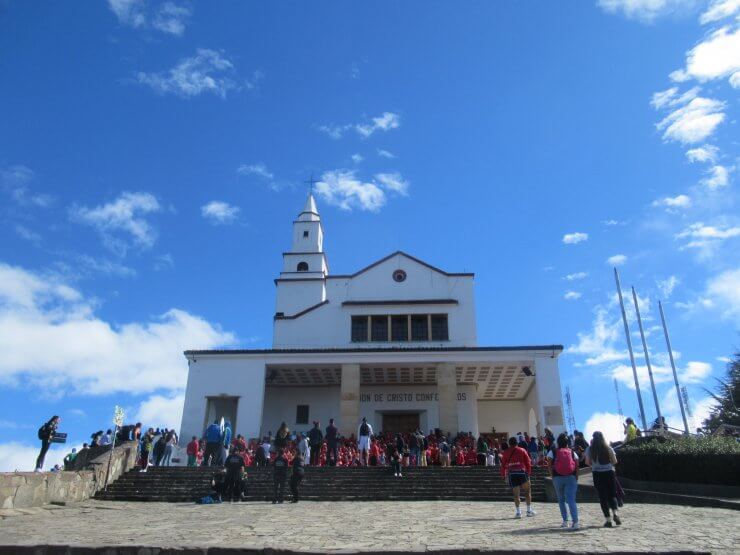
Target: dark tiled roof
554, 348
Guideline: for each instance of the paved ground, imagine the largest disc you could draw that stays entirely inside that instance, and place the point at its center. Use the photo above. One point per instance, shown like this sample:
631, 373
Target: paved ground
395, 526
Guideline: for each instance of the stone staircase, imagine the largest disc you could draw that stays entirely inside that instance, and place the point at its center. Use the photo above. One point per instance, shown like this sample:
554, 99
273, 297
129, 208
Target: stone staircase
466, 483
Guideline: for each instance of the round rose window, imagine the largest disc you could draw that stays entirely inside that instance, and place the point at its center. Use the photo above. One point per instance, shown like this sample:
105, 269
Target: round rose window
399, 276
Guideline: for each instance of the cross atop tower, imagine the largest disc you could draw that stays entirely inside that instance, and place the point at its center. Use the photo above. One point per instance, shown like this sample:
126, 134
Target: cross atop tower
311, 182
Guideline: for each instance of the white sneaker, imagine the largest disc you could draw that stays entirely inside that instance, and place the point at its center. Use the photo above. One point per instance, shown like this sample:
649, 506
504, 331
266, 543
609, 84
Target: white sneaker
37, 470
564, 524
518, 514
575, 526
530, 512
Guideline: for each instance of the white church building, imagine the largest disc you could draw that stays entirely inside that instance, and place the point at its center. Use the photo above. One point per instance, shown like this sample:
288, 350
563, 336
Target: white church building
394, 342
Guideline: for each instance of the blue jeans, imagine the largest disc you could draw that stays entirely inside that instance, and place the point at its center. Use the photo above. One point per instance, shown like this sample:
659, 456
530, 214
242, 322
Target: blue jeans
565, 487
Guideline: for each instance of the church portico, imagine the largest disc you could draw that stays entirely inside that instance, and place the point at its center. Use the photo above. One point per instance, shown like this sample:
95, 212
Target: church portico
395, 342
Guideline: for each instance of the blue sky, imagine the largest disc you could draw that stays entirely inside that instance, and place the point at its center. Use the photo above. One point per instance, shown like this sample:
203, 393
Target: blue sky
153, 154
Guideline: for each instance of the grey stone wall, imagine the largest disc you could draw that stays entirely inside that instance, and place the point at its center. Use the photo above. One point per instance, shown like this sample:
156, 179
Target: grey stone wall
33, 489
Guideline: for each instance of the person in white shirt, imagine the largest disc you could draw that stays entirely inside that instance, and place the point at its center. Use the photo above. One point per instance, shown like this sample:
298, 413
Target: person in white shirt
364, 433
303, 447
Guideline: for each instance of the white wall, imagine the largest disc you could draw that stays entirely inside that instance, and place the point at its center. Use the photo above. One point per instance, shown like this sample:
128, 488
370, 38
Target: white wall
547, 386
281, 404
329, 325
214, 376
507, 416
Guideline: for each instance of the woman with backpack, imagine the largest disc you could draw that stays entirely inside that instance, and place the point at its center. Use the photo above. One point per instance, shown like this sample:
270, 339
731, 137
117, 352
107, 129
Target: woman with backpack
46, 433
563, 464
601, 458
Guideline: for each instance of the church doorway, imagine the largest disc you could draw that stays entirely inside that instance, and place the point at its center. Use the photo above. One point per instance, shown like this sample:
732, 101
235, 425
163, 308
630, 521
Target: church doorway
220, 407
400, 422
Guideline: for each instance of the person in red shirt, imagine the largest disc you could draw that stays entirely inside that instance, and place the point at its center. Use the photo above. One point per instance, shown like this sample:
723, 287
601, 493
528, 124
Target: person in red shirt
192, 451
460, 458
516, 466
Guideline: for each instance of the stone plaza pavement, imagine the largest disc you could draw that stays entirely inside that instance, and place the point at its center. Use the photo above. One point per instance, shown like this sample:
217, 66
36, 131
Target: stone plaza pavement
367, 527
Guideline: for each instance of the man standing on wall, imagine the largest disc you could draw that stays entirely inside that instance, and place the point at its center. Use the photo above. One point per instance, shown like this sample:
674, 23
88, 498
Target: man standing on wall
364, 433
315, 438
46, 433
332, 449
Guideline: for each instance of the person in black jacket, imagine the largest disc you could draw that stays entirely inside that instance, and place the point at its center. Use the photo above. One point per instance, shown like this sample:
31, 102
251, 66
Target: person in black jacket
279, 475
46, 433
296, 477
332, 447
315, 439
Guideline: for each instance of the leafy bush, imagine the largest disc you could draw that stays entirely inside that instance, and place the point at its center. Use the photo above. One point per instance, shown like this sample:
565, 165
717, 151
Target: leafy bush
709, 460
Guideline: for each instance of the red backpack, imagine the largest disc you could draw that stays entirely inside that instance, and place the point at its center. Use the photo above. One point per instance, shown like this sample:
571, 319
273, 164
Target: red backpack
564, 465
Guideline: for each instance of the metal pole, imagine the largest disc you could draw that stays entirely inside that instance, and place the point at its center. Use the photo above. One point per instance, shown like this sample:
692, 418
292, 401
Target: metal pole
110, 458
629, 347
647, 359
673, 367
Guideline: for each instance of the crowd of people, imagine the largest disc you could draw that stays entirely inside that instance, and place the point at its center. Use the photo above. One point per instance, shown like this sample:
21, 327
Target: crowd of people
288, 453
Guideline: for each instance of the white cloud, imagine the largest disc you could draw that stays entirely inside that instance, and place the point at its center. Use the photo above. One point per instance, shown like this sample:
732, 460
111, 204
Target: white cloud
22, 456
386, 154
695, 372
612, 223
218, 212
169, 18
719, 9
385, 122
598, 345
646, 11
258, 169
724, 290
357, 158
693, 122
716, 57
575, 276
574, 238
341, 188
129, 12
735, 80
27, 234
206, 72
393, 182
125, 215
706, 237
161, 411
84, 354
14, 181
670, 97
719, 176
666, 286
671, 204
705, 153
571, 295
616, 260
608, 423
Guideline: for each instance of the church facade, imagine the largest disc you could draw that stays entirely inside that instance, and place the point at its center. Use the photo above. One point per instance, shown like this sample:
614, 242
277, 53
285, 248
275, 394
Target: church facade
394, 342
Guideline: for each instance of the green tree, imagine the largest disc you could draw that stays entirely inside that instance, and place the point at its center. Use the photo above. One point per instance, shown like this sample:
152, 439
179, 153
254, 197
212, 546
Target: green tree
727, 395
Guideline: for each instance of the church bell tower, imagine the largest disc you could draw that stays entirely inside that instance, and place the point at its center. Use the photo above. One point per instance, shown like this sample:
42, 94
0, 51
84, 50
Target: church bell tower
301, 282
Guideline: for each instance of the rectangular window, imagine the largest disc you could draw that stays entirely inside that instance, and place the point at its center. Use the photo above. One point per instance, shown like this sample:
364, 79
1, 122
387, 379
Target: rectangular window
301, 414
400, 328
379, 325
305, 234
439, 327
419, 327
359, 328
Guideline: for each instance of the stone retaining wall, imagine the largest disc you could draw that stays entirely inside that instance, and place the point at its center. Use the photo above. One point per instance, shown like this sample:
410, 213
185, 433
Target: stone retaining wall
33, 489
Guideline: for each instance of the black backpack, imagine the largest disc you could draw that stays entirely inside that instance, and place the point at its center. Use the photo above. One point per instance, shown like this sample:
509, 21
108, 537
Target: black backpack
44, 432
364, 429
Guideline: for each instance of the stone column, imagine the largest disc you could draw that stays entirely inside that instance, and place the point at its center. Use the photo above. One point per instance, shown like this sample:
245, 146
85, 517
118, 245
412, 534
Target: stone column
447, 395
349, 401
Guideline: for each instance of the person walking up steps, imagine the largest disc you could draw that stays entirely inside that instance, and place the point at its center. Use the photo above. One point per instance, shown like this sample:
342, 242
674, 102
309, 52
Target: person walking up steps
564, 471
516, 466
279, 475
601, 458
364, 433
297, 477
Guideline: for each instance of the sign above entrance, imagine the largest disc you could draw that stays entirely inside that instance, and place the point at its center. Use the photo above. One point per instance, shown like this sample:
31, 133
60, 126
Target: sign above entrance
404, 397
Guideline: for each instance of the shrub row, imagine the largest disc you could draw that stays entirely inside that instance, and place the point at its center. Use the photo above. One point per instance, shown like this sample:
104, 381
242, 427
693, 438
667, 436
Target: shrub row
696, 468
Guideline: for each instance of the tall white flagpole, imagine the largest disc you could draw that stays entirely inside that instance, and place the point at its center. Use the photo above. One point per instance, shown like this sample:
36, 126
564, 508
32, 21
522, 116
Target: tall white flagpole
647, 357
673, 367
629, 347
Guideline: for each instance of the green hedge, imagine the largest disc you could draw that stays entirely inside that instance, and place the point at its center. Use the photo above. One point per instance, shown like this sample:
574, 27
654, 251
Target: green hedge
692, 460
